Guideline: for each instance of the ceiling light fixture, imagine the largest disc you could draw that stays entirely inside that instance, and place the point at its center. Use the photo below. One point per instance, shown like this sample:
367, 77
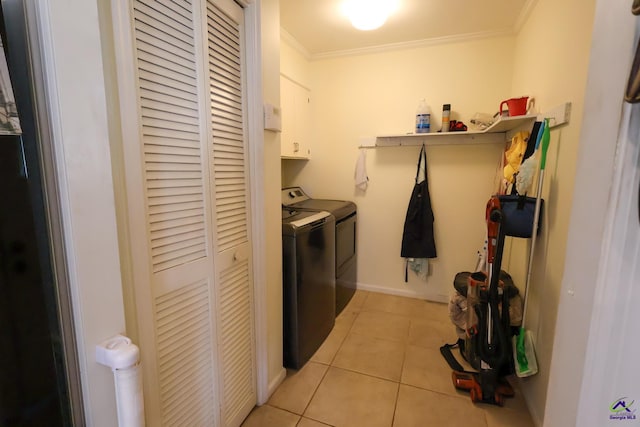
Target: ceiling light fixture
368, 14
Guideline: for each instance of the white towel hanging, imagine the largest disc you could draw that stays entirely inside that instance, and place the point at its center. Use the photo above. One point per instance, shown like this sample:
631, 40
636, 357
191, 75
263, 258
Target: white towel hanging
360, 175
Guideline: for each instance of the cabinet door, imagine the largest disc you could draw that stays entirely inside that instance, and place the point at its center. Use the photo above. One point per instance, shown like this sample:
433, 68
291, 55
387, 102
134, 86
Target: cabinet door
302, 101
296, 120
287, 105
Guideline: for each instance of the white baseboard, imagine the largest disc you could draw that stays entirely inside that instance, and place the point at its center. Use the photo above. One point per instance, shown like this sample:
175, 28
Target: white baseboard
273, 384
410, 293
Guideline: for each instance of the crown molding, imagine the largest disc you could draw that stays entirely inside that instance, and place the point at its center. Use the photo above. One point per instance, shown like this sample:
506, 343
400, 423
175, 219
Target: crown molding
413, 44
290, 40
287, 38
524, 15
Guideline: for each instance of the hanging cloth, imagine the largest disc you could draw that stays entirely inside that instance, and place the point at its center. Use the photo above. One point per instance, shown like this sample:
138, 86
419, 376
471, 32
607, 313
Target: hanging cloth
514, 155
417, 237
360, 174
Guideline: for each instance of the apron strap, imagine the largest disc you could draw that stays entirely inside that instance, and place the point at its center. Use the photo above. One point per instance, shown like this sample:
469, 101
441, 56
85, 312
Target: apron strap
423, 155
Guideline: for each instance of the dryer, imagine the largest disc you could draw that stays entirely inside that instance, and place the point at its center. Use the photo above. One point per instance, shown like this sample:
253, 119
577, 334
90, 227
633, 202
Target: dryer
345, 213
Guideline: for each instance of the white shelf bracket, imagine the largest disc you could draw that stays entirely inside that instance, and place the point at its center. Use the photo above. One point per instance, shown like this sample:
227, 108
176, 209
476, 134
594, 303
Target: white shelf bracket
558, 115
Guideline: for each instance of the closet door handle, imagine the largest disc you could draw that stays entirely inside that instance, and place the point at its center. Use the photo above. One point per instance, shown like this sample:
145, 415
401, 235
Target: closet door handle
239, 253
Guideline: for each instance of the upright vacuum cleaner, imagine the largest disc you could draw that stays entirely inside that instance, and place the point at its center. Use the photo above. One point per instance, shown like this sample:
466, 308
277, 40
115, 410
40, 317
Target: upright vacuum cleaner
487, 347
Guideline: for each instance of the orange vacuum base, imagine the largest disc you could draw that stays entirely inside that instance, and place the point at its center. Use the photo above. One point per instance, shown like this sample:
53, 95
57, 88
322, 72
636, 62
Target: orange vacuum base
469, 382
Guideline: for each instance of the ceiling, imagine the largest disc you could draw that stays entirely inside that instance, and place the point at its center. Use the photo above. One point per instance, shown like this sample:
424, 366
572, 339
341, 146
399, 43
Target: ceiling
319, 27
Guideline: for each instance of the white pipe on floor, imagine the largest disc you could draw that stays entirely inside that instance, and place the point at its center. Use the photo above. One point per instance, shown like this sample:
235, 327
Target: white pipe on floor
122, 356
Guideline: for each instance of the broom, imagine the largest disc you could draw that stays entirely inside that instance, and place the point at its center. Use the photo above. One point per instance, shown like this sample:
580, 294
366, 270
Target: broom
525, 357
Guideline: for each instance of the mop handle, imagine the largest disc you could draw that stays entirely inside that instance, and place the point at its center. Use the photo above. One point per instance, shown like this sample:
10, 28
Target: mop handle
536, 215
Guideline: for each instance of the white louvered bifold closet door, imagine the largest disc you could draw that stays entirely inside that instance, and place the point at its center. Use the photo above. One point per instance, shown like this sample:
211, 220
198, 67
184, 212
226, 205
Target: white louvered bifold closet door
188, 210
230, 187
175, 171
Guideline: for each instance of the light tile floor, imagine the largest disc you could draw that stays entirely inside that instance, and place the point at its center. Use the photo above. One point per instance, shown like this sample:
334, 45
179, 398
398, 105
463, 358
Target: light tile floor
381, 366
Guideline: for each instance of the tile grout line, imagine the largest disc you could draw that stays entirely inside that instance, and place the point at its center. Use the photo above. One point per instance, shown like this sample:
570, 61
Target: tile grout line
329, 366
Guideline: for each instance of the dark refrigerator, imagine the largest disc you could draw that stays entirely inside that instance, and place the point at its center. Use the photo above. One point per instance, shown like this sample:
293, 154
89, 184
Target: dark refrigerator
33, 377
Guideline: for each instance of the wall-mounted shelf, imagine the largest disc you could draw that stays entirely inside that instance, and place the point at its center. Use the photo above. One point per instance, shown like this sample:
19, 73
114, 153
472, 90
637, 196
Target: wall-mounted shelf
499, 132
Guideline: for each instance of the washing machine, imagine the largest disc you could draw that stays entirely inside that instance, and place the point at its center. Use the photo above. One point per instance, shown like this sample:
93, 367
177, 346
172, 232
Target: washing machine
309, 286
345, 213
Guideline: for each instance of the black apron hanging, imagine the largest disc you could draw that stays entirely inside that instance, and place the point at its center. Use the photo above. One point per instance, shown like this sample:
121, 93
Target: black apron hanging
417, 237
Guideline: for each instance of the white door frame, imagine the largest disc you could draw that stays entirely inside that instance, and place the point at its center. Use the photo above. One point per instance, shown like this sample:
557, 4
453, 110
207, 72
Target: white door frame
256, 164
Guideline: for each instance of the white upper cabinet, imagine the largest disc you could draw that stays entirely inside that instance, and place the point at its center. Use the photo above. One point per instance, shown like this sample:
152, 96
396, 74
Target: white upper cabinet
295, 102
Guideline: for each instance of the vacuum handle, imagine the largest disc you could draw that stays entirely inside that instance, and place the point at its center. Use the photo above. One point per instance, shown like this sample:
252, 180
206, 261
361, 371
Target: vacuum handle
493, 226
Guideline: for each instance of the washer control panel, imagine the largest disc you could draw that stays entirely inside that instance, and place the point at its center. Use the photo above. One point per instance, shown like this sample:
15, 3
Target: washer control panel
292, 195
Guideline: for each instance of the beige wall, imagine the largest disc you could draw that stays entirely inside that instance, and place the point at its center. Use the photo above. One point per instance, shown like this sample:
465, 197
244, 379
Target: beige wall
551, 62
270, 17
377, 94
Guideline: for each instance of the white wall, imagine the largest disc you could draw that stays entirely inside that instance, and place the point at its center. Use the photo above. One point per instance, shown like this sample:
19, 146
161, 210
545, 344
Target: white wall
377, 94
595, 350
551, 63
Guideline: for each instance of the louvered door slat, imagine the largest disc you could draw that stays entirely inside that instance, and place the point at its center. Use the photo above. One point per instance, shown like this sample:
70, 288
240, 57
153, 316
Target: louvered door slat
228, 119
183, 339
226, 77
173, 207
172, 191
231, 185
170, 152
160, 120
225, 157
229, 123
178, 51
151, 52
227, 39
227, 139
174, 74
170, 12
150, 97
180, 7
236, 337
174, 175
226, 104
225, 82
165, 111
224, 66
226, 111
165, 83
174, 183
229, 175
175, 214
172, 167
228, 133
185, 370
175, 223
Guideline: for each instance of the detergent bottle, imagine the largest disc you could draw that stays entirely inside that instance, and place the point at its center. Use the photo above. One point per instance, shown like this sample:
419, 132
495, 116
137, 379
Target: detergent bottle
423, 118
